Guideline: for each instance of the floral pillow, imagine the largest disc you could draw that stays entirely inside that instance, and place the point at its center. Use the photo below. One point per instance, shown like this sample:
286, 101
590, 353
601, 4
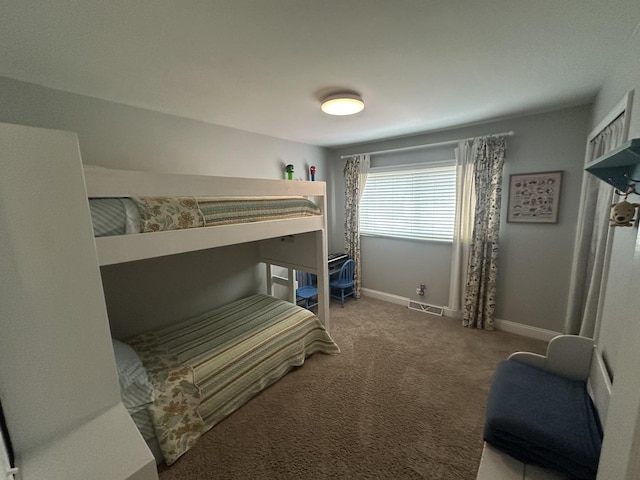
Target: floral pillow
168, 213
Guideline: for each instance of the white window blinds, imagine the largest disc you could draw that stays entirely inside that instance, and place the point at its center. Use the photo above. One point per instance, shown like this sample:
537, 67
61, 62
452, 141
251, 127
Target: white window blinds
417, 204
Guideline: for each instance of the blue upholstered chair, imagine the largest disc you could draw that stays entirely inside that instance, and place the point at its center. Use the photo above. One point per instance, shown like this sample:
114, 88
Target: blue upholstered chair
344, 283
308, 292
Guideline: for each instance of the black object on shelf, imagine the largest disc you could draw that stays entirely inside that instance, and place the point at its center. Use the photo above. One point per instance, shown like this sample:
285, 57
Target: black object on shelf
619, 167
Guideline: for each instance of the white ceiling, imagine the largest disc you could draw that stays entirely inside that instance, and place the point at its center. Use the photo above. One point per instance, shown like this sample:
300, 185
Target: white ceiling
262, 65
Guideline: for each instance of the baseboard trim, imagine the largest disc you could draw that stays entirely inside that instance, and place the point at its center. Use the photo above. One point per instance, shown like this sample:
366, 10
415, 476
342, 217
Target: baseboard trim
452, 313
387, 297
525, 330
499, 324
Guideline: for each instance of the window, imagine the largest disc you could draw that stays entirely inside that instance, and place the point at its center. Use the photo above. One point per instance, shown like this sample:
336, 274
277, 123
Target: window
417, 204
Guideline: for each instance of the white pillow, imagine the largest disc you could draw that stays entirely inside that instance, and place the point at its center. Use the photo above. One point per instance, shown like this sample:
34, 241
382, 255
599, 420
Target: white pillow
135, 389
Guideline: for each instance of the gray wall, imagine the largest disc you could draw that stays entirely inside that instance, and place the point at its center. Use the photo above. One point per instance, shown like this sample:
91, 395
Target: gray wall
118, 136
535, 259
147, 293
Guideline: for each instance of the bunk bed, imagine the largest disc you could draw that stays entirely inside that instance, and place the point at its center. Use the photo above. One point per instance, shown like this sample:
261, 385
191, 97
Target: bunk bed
294, 242
171, 379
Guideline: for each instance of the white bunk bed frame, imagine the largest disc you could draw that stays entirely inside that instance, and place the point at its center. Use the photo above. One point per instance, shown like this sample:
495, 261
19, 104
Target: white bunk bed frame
58, 378
295, 243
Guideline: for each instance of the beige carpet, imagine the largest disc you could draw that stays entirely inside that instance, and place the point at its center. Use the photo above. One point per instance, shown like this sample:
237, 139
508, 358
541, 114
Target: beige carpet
405, 399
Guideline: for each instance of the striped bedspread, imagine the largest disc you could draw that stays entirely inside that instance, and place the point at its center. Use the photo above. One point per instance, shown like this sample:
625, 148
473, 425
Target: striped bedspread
205, 368
222, 211
119, 216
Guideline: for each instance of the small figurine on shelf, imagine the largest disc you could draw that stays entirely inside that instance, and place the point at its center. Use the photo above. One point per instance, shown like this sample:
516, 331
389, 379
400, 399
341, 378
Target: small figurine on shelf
289, 170
312, 170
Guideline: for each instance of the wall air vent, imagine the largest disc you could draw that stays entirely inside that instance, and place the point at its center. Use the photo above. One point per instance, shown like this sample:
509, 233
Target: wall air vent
426, 308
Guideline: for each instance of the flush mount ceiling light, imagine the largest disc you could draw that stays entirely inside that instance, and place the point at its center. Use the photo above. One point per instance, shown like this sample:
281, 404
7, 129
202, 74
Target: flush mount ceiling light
342, 104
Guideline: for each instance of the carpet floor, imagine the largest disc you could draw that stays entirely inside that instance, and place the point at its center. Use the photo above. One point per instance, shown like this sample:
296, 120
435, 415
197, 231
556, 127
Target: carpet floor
404, 400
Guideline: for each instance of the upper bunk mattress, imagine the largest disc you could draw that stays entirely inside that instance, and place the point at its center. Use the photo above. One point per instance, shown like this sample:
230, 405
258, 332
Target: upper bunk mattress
119, 216
205, 368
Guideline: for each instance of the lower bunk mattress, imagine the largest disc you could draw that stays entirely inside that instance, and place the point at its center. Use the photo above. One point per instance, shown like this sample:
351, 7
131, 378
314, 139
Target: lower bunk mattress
204, 368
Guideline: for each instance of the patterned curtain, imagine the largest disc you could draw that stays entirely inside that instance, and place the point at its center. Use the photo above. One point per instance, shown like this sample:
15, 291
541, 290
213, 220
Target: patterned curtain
480, 292
355, 179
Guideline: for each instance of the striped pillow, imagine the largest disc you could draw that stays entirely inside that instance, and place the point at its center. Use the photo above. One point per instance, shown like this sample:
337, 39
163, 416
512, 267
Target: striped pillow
135, 389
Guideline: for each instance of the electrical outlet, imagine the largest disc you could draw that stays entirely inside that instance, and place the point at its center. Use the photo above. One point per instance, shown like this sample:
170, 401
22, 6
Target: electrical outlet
418, 291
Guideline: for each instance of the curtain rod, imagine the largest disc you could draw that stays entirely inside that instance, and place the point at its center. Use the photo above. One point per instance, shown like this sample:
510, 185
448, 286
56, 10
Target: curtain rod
426, 145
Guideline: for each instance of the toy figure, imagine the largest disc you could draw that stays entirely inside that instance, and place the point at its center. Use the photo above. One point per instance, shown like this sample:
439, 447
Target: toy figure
622, 214
289, 170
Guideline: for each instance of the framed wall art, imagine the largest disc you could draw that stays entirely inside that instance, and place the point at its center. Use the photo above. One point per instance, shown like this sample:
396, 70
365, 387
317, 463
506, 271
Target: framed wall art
534, 197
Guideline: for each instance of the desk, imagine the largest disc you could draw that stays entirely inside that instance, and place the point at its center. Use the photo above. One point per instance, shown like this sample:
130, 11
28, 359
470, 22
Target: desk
304, 280
334, 262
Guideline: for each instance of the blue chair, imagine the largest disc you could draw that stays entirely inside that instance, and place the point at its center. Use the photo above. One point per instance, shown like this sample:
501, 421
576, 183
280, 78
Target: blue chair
308, 292
344, 282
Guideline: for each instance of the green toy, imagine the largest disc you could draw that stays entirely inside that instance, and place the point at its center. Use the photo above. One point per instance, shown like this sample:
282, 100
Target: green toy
289, 170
